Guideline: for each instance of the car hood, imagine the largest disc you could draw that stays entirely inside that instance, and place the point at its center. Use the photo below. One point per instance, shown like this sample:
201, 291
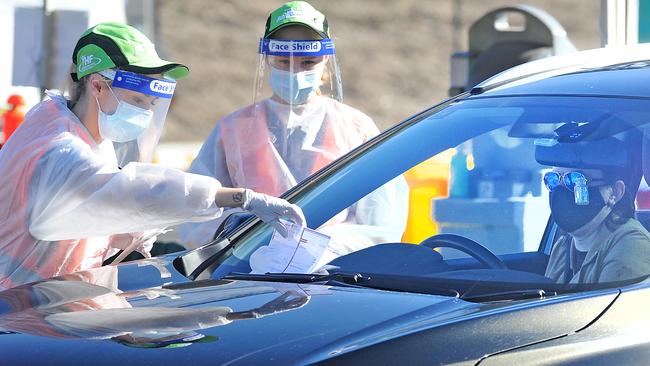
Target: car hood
159, 316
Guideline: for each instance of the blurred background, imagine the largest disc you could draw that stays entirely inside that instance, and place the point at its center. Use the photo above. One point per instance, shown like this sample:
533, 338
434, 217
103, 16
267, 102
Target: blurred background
394, 55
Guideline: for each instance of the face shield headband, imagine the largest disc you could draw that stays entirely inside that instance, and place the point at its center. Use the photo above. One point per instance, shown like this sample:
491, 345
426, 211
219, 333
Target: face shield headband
294, 76
119, 126
162, 88
296, 48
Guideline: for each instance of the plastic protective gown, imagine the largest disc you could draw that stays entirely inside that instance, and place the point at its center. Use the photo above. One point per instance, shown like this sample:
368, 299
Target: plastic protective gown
64, 197
270, 147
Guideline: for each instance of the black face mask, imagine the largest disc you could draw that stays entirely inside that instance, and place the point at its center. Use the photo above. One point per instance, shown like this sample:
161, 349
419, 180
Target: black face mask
569, 216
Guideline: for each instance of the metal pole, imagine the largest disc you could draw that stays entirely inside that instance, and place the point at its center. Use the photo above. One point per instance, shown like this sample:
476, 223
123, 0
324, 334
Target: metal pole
45, 67
457, 26
149, 19
619, 22
632, 22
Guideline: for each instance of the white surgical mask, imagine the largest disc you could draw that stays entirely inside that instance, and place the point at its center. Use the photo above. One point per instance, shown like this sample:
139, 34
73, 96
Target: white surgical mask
126, 124
295, 87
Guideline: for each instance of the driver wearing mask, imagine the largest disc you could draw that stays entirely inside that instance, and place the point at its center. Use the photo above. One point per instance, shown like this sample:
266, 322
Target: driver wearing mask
593, 202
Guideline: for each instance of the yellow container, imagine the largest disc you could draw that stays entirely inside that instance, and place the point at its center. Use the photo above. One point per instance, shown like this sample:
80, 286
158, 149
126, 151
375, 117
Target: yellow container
427, 180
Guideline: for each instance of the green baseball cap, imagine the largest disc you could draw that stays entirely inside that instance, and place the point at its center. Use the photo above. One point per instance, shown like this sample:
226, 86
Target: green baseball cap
109, 45
297, 12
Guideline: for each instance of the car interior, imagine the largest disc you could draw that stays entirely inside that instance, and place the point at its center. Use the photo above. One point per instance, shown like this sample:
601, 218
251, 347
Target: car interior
498, 230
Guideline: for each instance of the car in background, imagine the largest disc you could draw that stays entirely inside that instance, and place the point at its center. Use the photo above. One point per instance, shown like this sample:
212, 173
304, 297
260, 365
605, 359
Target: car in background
473, 292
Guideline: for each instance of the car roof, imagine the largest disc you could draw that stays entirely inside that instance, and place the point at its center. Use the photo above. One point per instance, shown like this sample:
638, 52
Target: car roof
618, 68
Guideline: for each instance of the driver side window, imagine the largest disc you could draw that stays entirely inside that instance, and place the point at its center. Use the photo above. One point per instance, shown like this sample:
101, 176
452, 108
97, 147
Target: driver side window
487, 189
379, 217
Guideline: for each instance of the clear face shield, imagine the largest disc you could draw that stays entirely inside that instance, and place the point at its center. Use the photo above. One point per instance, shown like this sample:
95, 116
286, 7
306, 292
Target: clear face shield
287, 134
135, 117
297, 72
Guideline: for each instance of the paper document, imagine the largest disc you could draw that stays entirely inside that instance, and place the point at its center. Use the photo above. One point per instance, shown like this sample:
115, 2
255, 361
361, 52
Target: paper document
303, 251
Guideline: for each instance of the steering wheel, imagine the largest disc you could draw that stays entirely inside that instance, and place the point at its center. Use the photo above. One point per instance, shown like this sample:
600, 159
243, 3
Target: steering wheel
467, 246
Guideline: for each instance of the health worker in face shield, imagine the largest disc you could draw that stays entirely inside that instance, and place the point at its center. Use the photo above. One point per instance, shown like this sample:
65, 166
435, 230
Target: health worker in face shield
74, 179
594, 205
280, 140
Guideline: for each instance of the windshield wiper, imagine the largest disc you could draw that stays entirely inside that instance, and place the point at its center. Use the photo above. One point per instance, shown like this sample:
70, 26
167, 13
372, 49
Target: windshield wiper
376, 281
345, 277
509, 295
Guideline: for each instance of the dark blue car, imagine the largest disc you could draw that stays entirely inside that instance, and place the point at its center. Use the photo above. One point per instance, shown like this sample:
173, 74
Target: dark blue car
483, 288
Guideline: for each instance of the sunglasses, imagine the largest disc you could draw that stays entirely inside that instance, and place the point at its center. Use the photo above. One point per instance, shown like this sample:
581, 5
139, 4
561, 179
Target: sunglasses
570, 180
576, 182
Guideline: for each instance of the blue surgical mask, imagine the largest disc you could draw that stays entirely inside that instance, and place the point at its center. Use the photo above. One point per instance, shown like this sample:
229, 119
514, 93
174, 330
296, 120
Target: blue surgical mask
295, 87
126, 124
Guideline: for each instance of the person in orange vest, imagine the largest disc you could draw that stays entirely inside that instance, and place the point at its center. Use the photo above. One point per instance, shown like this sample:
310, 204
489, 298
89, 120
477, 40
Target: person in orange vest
14, 116
297, 123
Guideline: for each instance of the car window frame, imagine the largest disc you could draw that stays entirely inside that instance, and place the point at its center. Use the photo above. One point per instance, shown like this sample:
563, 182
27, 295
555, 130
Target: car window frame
303, 191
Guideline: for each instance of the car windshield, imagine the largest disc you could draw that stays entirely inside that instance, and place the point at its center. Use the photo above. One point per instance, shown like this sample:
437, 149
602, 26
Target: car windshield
474, 181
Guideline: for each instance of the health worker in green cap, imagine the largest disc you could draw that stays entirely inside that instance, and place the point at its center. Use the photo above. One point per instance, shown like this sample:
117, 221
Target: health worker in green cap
296, 124
75, 178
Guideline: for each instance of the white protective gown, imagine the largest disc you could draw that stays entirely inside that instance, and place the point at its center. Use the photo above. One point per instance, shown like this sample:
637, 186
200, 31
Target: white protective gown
270, 147
64, 197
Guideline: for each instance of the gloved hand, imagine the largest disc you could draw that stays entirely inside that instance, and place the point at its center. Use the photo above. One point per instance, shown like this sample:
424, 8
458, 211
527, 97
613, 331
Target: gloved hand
271, 209
130, 242
141, 242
